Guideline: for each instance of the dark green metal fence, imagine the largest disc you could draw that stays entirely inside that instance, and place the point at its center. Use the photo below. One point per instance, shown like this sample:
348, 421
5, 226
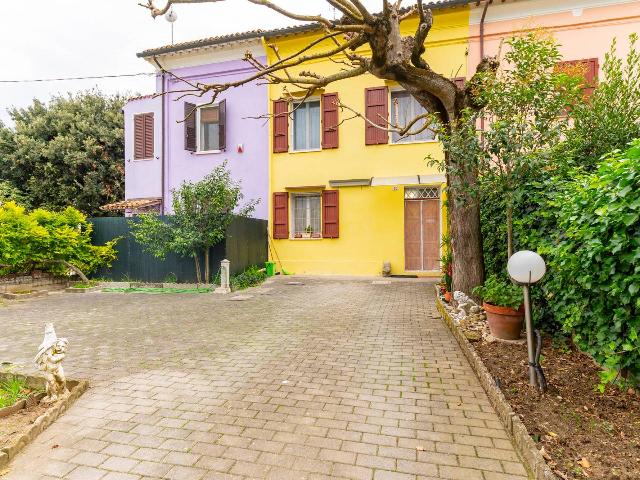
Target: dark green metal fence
245, 245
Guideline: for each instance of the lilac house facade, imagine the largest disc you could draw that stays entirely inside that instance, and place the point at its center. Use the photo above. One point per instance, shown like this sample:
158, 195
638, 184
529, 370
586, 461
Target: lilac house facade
168, 140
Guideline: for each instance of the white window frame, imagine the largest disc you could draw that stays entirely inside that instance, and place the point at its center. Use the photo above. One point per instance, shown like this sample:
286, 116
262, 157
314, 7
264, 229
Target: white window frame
199, 127
292, 215
292, 139
392, 118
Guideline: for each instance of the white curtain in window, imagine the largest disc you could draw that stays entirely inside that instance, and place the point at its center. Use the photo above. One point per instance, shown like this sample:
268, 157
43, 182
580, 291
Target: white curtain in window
405, 108
209, 129
306, 126
306, 214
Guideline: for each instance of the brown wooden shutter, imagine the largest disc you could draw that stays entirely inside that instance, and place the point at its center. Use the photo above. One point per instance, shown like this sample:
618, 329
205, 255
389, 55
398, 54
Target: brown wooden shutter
330, 137
281, 215
591, 76
330, 214
189, 127
459, 81
591, 67
222, 125
377, 112
138, 137
280, 126
148, 135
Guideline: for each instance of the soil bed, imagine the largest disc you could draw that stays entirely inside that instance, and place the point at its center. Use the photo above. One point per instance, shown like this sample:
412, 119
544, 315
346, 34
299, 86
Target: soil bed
13, 426
581, 432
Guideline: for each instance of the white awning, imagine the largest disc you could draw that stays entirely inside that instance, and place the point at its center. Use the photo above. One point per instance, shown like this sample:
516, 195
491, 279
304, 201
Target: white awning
409, 180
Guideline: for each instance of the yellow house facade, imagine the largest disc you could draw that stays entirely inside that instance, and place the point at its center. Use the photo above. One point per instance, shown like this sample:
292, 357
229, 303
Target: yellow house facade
345, 197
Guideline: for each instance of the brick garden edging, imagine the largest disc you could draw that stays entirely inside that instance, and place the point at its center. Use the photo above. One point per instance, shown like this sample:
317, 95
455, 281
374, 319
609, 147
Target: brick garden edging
76, 388
533, 460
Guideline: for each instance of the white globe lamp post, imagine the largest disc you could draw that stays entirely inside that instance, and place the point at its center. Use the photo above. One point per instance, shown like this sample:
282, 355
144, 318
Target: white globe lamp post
526, 268
171, 16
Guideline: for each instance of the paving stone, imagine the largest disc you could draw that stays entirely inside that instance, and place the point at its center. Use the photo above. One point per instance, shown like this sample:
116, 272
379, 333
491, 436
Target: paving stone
336, 379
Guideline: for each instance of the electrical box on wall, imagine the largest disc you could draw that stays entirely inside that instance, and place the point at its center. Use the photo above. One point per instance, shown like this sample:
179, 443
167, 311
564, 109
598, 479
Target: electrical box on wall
241, 148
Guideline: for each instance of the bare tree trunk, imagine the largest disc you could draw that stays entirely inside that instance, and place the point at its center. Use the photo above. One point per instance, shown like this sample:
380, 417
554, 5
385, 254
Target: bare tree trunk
207, 273
465, 233
76, 270
509, 230
197, 263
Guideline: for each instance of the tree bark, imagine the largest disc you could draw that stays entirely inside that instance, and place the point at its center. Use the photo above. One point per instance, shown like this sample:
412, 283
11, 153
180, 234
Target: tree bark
197, 264
464, 230
207, 273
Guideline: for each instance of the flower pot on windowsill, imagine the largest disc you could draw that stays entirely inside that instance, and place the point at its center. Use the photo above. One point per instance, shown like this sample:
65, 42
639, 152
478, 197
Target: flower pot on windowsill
305, 235
316, 235
504, 322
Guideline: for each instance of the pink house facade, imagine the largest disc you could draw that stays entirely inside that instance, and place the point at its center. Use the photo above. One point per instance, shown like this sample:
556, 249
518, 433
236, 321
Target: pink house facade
583, 28
163, 150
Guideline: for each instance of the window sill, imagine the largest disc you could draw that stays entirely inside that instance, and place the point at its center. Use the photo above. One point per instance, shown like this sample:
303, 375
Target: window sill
142, 159
306, 151
304, 239
414, 143
207, 152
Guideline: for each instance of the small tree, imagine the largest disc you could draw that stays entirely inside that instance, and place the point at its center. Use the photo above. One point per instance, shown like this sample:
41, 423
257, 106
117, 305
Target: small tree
611, 117
526, 107
202, 213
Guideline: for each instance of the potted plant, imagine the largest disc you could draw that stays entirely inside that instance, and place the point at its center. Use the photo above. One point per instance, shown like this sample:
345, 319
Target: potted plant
502, 302
307, 232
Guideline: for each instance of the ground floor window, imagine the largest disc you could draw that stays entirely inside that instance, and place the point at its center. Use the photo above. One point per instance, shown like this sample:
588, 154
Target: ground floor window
306, 215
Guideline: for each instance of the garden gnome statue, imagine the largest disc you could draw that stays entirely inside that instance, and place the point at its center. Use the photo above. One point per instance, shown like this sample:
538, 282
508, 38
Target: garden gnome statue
49, 360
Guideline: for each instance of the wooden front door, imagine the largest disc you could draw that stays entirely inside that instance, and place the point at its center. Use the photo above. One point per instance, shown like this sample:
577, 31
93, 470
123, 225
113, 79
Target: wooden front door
422, 229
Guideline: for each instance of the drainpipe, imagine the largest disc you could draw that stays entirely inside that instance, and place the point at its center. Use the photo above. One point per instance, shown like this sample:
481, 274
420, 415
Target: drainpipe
162, 132
484, 15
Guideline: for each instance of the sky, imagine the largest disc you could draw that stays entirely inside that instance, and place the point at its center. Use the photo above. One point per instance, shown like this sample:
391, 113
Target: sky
41, 39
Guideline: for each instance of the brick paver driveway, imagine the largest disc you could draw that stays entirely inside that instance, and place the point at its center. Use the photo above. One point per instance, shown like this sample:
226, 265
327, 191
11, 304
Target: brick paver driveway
329, 379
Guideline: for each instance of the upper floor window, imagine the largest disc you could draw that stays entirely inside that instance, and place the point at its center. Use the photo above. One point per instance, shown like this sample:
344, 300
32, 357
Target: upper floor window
205, 127
143, 136
306, 125
208, 129
404, 108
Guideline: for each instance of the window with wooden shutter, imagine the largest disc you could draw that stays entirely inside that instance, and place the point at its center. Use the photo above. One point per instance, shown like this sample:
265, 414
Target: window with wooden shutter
376, 112
588, 67
330, 214
222, 125
280, 126
280, 215
190, 133
330, 138
143, 136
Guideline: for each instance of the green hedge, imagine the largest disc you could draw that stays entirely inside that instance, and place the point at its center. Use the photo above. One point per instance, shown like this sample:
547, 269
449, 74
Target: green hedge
43, 239
594, 263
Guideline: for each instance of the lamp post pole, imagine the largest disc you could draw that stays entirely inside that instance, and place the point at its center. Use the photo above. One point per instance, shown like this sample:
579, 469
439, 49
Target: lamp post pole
529, 325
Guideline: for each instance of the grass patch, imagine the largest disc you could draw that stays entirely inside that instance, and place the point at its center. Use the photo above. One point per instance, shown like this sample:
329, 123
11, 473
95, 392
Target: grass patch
251, 277
11, 391
89, 284
158, 291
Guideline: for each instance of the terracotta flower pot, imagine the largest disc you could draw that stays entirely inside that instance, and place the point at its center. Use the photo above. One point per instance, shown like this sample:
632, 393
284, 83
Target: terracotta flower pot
504, 322
447, 296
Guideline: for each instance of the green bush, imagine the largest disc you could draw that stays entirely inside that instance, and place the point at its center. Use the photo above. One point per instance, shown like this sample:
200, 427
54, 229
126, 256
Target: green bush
594, 263
251, 277
45, 240
500, 292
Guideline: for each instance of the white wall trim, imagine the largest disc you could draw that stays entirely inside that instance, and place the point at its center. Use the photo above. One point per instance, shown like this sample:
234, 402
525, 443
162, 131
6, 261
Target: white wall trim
514, 10
198, 56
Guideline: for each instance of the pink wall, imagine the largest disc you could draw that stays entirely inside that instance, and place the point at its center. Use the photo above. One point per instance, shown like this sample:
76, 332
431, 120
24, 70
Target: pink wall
582, 29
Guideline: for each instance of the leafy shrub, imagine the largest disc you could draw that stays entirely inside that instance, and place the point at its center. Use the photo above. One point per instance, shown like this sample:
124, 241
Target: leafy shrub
500, 292
44, 239
594, 263
251, 277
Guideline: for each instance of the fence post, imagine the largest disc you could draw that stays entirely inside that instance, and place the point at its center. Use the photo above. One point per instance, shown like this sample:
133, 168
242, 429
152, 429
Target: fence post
224, 277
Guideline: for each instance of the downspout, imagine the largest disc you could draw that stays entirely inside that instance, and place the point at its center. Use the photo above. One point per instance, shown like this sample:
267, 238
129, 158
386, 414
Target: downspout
162, 133
484, 15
